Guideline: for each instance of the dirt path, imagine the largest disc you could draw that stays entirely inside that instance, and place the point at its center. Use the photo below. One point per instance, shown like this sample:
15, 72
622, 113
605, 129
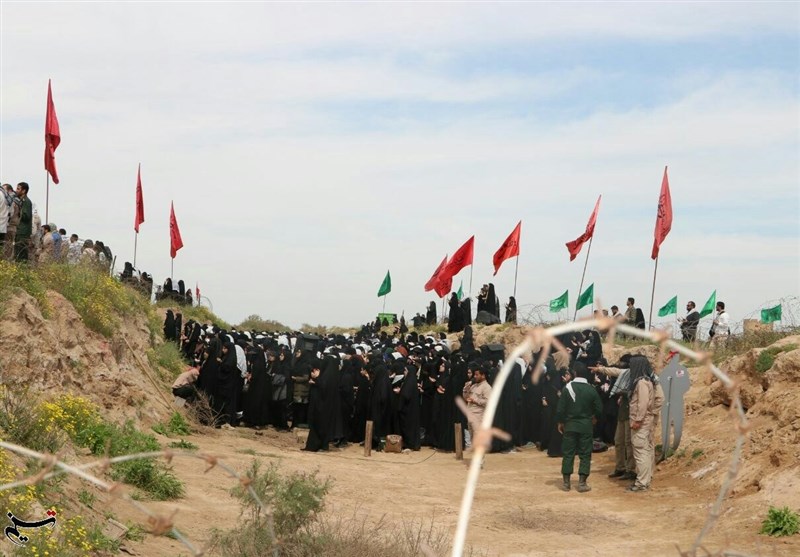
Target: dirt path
518, 508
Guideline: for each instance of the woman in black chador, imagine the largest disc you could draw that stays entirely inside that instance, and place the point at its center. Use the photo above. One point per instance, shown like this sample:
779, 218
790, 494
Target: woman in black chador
227, 382
169, 326
256, 401
362, 388
430, 317
492, 302
323, 404
379, 404
209, 375
511, 310
444, 409
409, 409
455, 319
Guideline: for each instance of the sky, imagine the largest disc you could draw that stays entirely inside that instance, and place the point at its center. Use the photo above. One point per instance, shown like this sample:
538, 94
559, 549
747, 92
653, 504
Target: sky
310, 147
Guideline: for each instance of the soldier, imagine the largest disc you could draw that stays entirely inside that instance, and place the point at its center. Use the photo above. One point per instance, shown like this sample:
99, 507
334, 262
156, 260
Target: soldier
578, 409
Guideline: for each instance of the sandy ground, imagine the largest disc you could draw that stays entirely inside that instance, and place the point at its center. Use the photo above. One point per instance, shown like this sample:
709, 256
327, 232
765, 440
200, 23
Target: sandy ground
518, 507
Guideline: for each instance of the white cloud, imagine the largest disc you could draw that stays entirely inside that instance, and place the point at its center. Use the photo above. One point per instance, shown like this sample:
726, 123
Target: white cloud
290, 211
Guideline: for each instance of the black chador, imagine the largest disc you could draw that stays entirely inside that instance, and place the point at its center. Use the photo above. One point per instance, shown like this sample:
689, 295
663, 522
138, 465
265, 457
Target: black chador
444, 410
227, 384
379, 406
323, 403
361, 406
347, 397
431, 314
507, 417
455, 319
256, 401
169, 325
410, 409
209, 375
531, 407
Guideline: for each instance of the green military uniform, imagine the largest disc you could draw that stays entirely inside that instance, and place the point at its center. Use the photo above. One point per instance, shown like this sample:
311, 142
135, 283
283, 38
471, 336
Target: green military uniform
576, 415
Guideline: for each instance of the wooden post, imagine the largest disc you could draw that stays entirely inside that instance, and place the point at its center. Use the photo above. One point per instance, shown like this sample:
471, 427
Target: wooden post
368, 439
459, 442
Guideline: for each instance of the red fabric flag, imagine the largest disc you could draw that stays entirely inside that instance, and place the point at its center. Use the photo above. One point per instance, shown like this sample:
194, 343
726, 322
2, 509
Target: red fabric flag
431, 284
461, 258
509, 249
664, 217
175, 241
52, 136
139, 219
575, 246
443, 285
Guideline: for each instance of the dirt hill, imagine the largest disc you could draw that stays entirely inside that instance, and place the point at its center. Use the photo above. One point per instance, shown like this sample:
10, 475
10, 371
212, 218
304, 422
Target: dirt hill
518, 509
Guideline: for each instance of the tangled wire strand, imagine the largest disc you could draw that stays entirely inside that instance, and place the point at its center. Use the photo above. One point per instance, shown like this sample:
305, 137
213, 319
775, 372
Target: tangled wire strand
539, 338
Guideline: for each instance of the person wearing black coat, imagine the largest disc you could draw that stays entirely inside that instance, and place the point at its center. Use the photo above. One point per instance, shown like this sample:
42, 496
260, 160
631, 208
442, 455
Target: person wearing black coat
319, 426
169, 326
430, 317
507, 417
444, 409
379, 406
531, 407
347, 398
455, 319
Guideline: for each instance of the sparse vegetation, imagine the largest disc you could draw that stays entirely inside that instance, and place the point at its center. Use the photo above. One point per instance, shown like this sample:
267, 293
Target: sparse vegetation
781, 522
86, 497
81, 421
22, 421
22, 277
697, 453
767, 356
167, 361
176, 425
185, 445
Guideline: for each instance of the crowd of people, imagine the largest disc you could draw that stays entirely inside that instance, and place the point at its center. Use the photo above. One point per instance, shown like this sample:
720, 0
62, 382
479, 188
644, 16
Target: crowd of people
23, 237
406, 384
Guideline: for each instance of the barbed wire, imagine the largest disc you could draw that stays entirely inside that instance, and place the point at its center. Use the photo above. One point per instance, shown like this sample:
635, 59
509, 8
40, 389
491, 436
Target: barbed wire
544, 340
159, 524
539, 338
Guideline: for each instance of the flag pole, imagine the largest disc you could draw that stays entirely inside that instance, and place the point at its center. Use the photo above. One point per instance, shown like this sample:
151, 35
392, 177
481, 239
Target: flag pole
47, 200
470, 280
171, 268
135, 245
384, 303
652, 296
585, 264
516, 270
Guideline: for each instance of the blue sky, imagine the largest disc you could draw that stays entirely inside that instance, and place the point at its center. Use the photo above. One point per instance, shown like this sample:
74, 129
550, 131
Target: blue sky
309, 147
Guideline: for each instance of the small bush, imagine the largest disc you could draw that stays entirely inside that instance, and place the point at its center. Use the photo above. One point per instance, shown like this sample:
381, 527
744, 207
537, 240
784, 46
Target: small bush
167, 360
99, 298
697, 453
86, 498
23, 422
781, 522
185, 445
14, 276
80, 419
176, 425
767, 357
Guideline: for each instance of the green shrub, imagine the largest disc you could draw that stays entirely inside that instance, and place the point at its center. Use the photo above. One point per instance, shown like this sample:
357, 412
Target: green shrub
100, 300
767, 357
22, 421
185, 445
176, 425
781, 522
81, 421
167, 360
22, 277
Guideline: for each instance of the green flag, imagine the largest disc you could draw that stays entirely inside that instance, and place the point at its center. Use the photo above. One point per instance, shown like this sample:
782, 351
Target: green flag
386, 285
771, 314
460, 293
562, 302
587, 297
671, 307
708, 309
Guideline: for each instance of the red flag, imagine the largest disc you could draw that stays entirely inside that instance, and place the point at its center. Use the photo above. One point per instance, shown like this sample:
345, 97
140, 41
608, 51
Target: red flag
664, 217
509, 249
139, 219
52, 136
461, 258
575, 246
443, 285
175, 242
431, 284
